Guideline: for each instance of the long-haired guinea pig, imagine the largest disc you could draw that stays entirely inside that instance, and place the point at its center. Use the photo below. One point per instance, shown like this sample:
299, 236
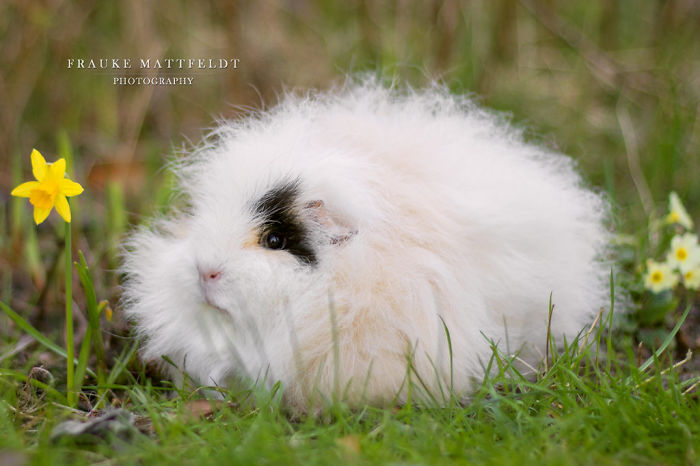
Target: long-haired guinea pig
334, 241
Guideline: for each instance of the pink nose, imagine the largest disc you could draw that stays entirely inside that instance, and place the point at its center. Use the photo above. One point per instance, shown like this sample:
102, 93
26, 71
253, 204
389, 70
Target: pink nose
210, 276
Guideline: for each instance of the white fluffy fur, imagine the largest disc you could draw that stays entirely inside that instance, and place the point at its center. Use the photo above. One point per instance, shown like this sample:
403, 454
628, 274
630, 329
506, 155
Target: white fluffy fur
456, 217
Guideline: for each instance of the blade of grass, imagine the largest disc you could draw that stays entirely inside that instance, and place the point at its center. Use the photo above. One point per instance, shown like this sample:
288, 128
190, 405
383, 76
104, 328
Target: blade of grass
93, 336
667, 341
83, 356
23, 378
549, 342
28, 328
449, 348
34, 333
609, 339
122, 362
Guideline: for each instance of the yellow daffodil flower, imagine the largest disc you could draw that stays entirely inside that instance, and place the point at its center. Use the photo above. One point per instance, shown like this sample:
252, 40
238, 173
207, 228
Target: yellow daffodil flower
684, 253
50, 189
659, 277
677, 213
691, 278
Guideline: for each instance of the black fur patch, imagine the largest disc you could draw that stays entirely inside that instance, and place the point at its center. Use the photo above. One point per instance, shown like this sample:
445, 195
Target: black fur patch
279, 214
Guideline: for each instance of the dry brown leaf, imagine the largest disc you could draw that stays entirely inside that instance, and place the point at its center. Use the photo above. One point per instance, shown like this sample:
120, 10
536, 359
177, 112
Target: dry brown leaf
350, 443
203, 409
130, 174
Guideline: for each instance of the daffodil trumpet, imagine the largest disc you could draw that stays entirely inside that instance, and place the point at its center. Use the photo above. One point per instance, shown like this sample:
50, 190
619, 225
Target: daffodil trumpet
52, 190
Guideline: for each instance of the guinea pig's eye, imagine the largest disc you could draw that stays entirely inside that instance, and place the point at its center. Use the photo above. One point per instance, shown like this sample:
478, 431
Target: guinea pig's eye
272, 240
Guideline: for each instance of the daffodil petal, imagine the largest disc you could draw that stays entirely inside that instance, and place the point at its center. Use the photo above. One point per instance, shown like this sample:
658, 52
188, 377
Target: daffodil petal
40, 214
25, 189
69, 188
62, 207
39, 165
57, 170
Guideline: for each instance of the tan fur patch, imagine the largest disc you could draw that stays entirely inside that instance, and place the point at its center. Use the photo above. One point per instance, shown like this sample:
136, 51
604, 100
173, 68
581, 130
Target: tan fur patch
252, 240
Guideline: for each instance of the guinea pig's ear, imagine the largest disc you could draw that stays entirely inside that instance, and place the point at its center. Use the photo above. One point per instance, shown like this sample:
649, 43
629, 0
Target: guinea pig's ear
332, 228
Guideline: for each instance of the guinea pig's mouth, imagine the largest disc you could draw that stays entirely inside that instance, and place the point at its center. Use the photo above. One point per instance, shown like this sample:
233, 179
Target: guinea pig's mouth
210, 304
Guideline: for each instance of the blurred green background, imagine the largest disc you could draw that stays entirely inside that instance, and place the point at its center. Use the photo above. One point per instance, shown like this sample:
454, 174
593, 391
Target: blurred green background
615, 84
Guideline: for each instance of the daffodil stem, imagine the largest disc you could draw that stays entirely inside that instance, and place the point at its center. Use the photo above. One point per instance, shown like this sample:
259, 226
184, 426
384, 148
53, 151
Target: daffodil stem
69, 320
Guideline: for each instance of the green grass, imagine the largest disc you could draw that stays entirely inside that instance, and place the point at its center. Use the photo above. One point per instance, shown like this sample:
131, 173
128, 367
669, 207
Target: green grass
612, 83
590, 407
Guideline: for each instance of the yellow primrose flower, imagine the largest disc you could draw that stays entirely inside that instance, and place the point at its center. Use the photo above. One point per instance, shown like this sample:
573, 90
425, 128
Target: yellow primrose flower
659, 277
691, 278
677, 213
684, 253
50, 189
